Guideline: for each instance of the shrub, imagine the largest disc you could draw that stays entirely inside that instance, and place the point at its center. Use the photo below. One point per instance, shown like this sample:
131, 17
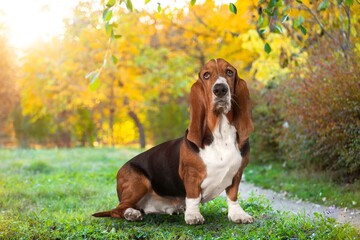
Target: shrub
168, 120
323, 110
268, 120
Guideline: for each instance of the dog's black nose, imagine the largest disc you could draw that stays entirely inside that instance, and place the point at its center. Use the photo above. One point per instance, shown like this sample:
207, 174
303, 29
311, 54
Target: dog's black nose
220, 89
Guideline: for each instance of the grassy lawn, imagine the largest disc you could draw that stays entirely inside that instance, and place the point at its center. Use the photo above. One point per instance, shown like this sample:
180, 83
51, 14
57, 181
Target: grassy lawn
310, 186
51, 194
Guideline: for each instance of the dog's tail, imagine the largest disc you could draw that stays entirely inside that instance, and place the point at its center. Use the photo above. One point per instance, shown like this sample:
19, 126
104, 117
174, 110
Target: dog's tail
102, 214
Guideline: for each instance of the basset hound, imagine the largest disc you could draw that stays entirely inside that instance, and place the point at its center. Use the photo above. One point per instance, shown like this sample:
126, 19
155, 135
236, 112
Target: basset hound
178, 175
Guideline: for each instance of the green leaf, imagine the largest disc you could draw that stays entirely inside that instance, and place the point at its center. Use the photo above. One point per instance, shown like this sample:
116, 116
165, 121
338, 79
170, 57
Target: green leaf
232, 8
267, 48
117, 36
114, 25
277, 29
107, 15
262, 31
147, 1
272, 3
94, 85
303, 29
159, 8
109, 29
269, 11
129, 5
285, 18
299, 1
94, 80
90, 74
279, 3
261, 20
299, 21
323, 5
349, 2
110, 3
114, 59
286, 10
193, 2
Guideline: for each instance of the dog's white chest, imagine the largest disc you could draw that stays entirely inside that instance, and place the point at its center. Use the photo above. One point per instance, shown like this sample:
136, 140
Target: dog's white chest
222, 159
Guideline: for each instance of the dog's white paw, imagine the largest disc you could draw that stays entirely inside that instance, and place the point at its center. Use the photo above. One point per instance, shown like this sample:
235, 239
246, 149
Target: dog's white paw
236, 214
194, 218
192, 212
240, 217
132, 215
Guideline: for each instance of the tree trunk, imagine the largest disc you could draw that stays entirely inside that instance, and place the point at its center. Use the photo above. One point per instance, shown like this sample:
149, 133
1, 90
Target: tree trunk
1, 135
140, 127
112, 111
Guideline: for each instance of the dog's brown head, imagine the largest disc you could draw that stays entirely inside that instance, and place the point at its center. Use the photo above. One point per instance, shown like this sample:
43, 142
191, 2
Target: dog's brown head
218, 91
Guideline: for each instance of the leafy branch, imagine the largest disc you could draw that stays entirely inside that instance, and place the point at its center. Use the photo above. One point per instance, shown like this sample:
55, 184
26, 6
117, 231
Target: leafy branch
110, 7
274, 15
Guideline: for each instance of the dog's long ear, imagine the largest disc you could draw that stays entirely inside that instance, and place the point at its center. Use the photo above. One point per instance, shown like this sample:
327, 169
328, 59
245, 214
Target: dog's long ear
197, 126
242, 111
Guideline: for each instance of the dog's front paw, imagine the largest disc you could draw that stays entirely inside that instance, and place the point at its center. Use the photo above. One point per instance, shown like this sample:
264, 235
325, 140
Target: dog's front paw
192, 212
132, 215
194, 218
237, 214
240, 217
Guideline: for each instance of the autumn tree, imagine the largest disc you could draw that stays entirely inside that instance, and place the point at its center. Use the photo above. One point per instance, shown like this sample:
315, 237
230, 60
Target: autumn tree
8, 93
140, 69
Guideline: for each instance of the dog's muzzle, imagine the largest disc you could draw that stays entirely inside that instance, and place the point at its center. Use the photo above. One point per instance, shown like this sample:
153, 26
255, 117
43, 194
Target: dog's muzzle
222, 98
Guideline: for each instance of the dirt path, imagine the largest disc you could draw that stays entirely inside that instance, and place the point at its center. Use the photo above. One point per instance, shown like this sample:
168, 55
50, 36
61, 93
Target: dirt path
280, 202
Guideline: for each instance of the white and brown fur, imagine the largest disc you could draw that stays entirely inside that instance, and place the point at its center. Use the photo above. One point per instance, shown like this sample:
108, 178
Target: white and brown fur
178, 175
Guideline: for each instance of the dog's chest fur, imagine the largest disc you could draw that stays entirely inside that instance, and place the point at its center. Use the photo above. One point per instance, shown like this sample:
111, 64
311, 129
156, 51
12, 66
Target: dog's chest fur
222, 159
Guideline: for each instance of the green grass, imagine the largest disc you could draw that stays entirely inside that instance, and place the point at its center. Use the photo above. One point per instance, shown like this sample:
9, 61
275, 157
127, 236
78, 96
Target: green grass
310, 186
51, 194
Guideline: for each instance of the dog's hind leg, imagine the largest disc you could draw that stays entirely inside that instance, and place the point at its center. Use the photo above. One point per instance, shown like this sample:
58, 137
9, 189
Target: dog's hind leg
132, 186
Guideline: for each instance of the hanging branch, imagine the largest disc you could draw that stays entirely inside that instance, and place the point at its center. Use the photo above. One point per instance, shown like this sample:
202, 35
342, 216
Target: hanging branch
320, 23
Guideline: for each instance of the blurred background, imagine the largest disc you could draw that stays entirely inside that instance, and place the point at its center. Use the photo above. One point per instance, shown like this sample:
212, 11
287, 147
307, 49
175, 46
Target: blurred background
67, 81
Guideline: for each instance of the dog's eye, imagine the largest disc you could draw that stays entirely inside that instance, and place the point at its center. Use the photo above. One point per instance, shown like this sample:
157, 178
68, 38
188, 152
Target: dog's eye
229, 73
206, 75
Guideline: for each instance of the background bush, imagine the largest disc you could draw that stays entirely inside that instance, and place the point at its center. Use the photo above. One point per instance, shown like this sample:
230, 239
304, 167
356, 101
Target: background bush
269, 119
312, 119
324, 113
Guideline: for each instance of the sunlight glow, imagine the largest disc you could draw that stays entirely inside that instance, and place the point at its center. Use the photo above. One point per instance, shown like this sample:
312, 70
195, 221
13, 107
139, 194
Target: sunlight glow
29, 21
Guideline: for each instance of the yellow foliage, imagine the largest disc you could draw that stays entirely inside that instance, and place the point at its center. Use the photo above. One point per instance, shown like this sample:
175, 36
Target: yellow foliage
125, 132
158, 57
268, 66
